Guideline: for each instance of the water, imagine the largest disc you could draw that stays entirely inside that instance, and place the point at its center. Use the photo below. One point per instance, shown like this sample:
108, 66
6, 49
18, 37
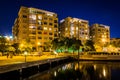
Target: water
83, 70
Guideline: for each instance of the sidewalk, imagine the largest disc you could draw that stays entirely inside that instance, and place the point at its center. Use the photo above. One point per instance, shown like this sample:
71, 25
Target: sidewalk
21, 59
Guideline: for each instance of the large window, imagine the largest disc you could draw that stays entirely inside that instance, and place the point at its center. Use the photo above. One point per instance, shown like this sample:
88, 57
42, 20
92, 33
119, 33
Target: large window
32, 16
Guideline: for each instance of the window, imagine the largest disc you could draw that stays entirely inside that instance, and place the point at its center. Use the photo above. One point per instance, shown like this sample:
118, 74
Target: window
32, 37
55, 26
45, 32
39, 17
45, 23
50, 38
40, 28
45, 28
39, 32
32, 27
32, 16
39, 37
45, 18
55, 21
33, 32
50, 33
50, 29
50, 24
32, 21
50, 19
39, 22
55, 35
45, 37
24, 16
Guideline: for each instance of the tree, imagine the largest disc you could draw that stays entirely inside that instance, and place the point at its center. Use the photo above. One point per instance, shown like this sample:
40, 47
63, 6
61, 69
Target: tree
25, 45
3, 45
16, 46
89, 46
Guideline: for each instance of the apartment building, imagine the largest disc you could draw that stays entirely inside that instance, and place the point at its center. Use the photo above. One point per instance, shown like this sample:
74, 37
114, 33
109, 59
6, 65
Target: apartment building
100, 34
39, 26
74, 27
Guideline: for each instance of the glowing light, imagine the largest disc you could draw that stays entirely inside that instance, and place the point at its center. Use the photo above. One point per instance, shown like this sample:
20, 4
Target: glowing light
21, 45
45, 28
25, 53
39, 43
55, 52
76, 28
66, 29
104, 72
50, 29
103, 40
55, 73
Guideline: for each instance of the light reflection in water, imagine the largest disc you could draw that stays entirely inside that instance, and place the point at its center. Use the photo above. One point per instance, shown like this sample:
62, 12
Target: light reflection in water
82, 70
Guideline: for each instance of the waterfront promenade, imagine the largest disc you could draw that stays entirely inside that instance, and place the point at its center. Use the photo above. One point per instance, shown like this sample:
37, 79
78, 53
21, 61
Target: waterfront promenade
21, 59
19, 62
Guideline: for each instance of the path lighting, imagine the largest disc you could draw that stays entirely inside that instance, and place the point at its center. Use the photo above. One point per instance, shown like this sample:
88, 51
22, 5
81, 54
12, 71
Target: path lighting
25, 53
55, 53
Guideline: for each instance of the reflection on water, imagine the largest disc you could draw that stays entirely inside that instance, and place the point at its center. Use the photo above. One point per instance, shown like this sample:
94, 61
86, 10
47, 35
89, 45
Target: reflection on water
83, 70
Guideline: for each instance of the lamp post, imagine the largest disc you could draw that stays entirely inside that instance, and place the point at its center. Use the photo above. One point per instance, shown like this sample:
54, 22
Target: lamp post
25, 53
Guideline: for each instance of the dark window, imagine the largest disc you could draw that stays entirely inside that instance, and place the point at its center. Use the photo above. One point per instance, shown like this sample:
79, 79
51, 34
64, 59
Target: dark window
40, 28
32, 37
45, 32
50, 24
50, 33
45, 18
39, 37
45, 23
55, 26
39, 32
55, 21
24, 16
55, 35
33, 32
50, 19
50, 38
99, 30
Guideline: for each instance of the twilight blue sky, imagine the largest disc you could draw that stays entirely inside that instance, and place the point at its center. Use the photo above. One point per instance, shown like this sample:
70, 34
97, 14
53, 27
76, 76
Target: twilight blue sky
105, 12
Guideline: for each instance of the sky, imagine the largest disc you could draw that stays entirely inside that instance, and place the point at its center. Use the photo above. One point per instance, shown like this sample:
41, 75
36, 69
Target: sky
105, 12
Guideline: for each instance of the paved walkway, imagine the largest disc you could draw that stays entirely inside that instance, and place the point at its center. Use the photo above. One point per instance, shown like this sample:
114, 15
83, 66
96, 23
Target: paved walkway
21, 59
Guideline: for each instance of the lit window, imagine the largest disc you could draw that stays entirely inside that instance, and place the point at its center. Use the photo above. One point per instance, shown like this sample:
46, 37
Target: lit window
76, 28
50, 29
66, 29
86, 37
45, 28
39, 22
86, 30
32, 27
33, 17
39, 17
49, 14
72, 28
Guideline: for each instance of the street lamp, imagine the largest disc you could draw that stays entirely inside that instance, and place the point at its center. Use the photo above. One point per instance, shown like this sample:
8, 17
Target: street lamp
25, 53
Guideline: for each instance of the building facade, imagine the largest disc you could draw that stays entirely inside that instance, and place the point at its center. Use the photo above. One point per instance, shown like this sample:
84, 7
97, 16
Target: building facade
39, 26
74, 27
100, 34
